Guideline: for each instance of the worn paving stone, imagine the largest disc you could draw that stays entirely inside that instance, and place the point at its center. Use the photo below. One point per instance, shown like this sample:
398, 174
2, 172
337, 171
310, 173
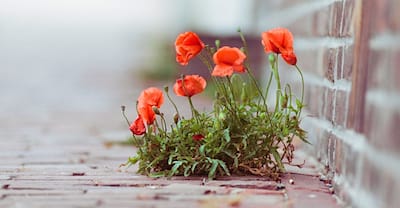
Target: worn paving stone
49, 179
56, 156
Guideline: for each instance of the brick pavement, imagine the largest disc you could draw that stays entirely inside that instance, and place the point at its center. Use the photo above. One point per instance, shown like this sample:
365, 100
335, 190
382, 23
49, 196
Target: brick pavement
81, 171
54, 155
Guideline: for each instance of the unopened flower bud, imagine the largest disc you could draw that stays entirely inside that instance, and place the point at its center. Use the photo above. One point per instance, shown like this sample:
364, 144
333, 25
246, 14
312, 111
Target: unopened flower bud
123, 108
284, 101
271, 59
217, 43
156, 111
166, 89
176, 118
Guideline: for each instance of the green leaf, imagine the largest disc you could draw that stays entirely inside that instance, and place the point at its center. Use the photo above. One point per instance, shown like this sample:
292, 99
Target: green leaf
211, 173
230, 154
236, 162
201, 150
299, 103
170, 159
244, 142
157, 174
305, 140
194, 166
186, 173
174, 168
227, 137
133, 160
223, 165
278, 159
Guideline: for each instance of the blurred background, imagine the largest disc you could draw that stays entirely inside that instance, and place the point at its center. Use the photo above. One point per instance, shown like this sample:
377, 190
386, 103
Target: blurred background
64, 60
60, 60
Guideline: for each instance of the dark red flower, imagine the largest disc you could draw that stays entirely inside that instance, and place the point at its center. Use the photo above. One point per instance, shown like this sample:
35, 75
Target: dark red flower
138, 127
198, 137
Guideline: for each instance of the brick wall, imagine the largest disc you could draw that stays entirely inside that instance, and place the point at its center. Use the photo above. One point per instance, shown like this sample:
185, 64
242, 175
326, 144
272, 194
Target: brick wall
348, 50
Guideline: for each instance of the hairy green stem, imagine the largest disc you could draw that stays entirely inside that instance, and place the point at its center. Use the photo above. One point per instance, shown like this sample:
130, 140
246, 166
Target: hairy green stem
172, 102
268, 85
302, 83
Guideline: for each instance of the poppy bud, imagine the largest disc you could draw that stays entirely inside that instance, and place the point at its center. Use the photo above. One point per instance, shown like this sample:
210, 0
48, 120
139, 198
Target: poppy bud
176, 118
271, 59
123, 108
156, 111
284, 101
217, 43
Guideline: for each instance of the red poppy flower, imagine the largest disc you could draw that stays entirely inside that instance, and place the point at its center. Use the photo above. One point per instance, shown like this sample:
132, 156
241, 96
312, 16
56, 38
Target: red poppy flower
187, 46
147, 113
228, 60
198, 137
148, 98
190, 85
138, 127
151, 96
280, 41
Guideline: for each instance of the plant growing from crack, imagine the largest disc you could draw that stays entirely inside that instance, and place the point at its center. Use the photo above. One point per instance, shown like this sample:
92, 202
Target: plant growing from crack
241, 135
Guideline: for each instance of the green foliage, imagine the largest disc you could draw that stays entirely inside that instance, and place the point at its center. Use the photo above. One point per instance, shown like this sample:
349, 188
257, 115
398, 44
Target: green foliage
242, 135
246, 140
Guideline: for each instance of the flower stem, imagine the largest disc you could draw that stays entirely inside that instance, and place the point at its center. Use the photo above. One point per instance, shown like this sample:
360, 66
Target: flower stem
124, 115
302, 83
268, 84
246, 51
253, 79
276, 74
278, 83
170, 99
194, 111
302, 86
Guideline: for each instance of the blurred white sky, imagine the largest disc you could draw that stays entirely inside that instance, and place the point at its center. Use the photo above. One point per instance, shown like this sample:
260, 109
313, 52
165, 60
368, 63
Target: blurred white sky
160, 15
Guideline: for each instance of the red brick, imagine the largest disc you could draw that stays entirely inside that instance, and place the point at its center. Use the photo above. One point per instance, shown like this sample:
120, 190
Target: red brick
339, 155
308, 61
379, 182
340, 108
314, 101
385, 131
330, 63
348, 15
351, 159
329, 98
321, 22
347, 64
378, 63
395, 62
335, 18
